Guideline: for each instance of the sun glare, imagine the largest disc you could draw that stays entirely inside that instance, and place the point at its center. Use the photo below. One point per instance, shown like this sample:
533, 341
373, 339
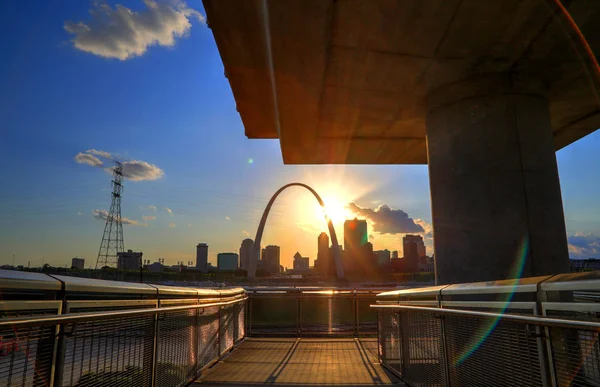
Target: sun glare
335, 209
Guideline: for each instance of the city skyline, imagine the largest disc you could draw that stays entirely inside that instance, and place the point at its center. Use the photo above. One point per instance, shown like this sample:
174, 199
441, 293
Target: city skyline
190, 173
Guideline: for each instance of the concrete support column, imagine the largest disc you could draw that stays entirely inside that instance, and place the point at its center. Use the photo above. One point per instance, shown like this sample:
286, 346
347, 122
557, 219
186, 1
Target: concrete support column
494, 181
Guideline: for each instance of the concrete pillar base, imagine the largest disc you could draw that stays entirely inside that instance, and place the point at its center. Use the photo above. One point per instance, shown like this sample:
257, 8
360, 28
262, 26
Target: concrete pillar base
495, 192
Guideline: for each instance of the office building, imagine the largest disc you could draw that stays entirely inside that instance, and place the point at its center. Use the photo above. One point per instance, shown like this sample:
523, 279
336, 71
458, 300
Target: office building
77, 263
418, 241
395, 254
301, 264
383, 257
129, 260
271, 259
324, 262
227, 261
246, 253
356, 257
202, 257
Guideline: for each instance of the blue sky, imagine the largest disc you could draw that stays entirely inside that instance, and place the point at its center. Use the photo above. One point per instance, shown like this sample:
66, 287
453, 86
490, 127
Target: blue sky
168, 109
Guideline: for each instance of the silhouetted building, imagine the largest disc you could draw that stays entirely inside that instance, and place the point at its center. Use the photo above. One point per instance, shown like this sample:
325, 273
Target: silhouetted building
202, 257
418, 241
246, 253
411, 260
77, 263
394, 254
301, 264
129, 260
383, 257
356, 256
271, 259
227, 261
324, 262
585, 264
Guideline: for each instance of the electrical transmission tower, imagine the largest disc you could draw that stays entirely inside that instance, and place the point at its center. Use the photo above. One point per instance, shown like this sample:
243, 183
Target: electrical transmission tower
112, 239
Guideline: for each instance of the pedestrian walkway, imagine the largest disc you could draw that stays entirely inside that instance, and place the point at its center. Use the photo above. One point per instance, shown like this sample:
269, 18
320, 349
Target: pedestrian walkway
315, 362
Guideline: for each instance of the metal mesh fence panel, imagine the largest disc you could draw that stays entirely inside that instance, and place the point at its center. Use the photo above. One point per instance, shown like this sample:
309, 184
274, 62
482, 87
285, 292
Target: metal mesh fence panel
277, 315
26, 356
176, 348
366, 317
208, 336
226, 329
486, 351
422, 348
576, 356
327, 316
240, 330
390, 340
575, 353
113, 352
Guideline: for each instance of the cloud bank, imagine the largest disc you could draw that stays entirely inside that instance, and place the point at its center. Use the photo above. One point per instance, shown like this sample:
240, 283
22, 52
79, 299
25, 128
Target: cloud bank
582, 246
124, 34
135, 170
387, 220
103, 215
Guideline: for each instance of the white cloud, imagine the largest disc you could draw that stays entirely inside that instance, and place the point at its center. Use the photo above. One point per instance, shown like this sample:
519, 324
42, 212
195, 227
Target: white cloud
227, 218
84, 158
79, 213
123, 34
103, 215
582, 246
100, 153
148, 217
153, 208
168, 210
135, 170
246, 233
172, 225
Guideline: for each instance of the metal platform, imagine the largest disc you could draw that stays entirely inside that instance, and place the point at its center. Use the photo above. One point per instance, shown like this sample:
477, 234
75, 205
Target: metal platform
289, 362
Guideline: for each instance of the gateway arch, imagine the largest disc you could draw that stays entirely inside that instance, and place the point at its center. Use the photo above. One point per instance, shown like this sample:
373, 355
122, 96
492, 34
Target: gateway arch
339, 267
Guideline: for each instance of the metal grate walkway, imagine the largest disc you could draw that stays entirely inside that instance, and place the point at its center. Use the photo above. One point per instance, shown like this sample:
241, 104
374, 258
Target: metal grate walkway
315, 362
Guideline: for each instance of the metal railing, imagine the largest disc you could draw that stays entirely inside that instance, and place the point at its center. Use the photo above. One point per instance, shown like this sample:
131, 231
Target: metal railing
138, 342
302, 312
528, 332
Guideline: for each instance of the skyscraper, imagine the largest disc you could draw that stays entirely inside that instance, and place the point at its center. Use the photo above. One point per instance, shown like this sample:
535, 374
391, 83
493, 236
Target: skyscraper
227, 261
271, 259
202, 257
418, 241
246, 253
324, 261
414, 250
355, 238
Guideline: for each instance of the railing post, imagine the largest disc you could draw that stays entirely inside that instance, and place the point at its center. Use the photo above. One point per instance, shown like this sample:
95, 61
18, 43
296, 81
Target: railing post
219, 333
196, 339
58, 356
155, 344
249, 318
405, 348
356, 322
298, 316
380, 338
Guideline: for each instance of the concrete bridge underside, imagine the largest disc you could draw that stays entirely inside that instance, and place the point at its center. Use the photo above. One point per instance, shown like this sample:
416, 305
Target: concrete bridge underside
483, 92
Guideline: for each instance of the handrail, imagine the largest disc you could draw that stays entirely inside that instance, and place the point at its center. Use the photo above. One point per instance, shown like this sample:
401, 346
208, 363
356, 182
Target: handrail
534, 320
90, 316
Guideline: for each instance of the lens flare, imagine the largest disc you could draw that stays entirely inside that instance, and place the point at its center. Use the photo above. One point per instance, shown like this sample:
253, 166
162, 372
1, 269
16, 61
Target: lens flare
484, 332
